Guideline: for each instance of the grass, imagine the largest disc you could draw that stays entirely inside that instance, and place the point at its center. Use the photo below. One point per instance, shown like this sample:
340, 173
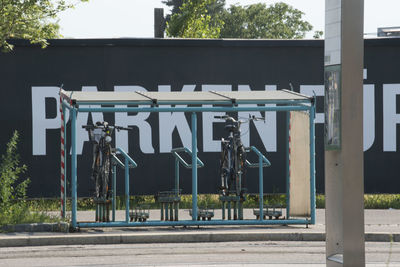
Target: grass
19, 213
371, 201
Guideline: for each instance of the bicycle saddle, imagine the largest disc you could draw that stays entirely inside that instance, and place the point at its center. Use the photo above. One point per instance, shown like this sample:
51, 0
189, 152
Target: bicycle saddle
230, 127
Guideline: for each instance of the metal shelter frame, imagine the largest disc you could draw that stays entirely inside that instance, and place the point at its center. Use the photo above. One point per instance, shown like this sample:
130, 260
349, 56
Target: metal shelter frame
235, 101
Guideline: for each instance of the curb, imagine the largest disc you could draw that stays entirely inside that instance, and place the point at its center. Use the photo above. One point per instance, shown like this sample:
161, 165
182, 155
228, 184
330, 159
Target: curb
137, 238
62, 227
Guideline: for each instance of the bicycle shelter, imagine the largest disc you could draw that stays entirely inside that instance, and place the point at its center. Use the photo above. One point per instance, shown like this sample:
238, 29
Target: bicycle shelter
300, 159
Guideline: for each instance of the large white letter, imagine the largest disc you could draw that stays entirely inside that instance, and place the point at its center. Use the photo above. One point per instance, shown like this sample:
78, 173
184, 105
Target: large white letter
139, 120
319, 91
82, 119
390, 117
368, 106
266, 130
369, 115
39, 121
170, 120
209, 144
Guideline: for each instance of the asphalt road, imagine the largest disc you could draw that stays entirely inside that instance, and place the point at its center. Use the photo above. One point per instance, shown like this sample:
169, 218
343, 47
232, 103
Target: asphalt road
252, 254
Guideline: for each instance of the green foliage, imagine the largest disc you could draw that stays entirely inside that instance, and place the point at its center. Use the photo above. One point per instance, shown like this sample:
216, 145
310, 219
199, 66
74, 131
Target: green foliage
209, 19
13, 206
318, 34
175, 4
194, 21
33, 20
10, 170
213, 10
12, 194
382, 201
278, 21
376, 201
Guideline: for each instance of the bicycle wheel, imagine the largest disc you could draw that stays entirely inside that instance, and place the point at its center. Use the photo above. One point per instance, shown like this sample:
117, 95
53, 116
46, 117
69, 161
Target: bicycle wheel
106, 172
224, 166
241, 156
96, 172
231, 166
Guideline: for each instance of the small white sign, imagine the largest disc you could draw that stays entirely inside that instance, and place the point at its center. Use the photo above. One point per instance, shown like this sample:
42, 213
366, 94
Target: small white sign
333, 22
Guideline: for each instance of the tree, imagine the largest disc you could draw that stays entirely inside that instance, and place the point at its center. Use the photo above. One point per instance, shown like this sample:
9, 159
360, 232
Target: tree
176, 5
194, 21
30, 19
278, 21
214, 9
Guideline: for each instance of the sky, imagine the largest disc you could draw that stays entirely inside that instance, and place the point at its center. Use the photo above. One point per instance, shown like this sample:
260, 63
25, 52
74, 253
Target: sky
134, 18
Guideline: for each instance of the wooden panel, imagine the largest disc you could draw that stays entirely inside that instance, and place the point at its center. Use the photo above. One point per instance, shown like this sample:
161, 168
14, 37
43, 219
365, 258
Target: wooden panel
299, 164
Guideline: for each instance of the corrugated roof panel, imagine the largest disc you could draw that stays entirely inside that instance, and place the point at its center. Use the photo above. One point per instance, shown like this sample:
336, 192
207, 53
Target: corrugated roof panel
262, 95
186, 97
107, 96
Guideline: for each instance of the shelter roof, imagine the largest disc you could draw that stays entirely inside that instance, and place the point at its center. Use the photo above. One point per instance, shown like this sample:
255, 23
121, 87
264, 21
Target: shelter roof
183, 98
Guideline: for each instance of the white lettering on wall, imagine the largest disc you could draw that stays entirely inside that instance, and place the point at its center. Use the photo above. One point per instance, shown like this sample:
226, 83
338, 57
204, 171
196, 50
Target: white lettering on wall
82, 119
368, 106
39, 121
369, 115
139, 120
209, 144
170, 120
319, 91
390, 117
266, 130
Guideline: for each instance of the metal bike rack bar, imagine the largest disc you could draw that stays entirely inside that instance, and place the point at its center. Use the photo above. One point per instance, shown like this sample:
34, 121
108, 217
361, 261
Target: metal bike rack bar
262, 163
129, 163
178, 159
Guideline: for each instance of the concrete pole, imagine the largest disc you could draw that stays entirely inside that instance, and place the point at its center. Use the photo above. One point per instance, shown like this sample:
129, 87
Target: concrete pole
344, 179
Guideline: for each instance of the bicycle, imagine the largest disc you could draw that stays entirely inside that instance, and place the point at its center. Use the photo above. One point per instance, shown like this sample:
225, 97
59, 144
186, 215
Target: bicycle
100, 135
233, 157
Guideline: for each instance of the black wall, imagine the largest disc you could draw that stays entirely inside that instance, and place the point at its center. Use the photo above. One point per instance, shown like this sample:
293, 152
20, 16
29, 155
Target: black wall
150, 63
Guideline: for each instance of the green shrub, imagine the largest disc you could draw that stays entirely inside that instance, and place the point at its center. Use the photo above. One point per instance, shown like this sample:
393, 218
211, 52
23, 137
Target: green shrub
13, 205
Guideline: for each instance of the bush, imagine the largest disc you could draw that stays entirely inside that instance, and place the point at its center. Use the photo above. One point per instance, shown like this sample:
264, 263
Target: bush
13, 206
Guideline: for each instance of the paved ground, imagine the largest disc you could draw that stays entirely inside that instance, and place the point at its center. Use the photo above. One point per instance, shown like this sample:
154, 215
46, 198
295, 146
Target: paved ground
221, 254
380, 225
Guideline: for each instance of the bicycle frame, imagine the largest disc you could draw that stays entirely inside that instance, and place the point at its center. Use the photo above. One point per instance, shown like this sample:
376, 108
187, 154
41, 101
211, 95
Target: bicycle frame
233, 158
102, 171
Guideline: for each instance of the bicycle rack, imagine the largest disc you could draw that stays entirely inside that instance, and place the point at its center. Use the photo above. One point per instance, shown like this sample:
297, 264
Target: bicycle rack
237, 201
262, 163
170, 199
281, 100
131, 164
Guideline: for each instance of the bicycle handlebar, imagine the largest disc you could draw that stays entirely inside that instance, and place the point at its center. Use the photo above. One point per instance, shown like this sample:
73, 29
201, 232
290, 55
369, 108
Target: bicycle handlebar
91, 127
251, 118
123, 128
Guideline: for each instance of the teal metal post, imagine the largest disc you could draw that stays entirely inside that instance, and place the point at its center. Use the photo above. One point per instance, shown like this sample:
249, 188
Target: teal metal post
114, 192
312, 161
126, 190
177, 176
73, 167
261, 185
288, 164
194, 166
65, 162
177, 188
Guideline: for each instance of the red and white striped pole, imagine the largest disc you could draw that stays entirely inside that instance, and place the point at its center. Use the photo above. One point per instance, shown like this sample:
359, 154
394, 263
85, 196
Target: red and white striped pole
62, 160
